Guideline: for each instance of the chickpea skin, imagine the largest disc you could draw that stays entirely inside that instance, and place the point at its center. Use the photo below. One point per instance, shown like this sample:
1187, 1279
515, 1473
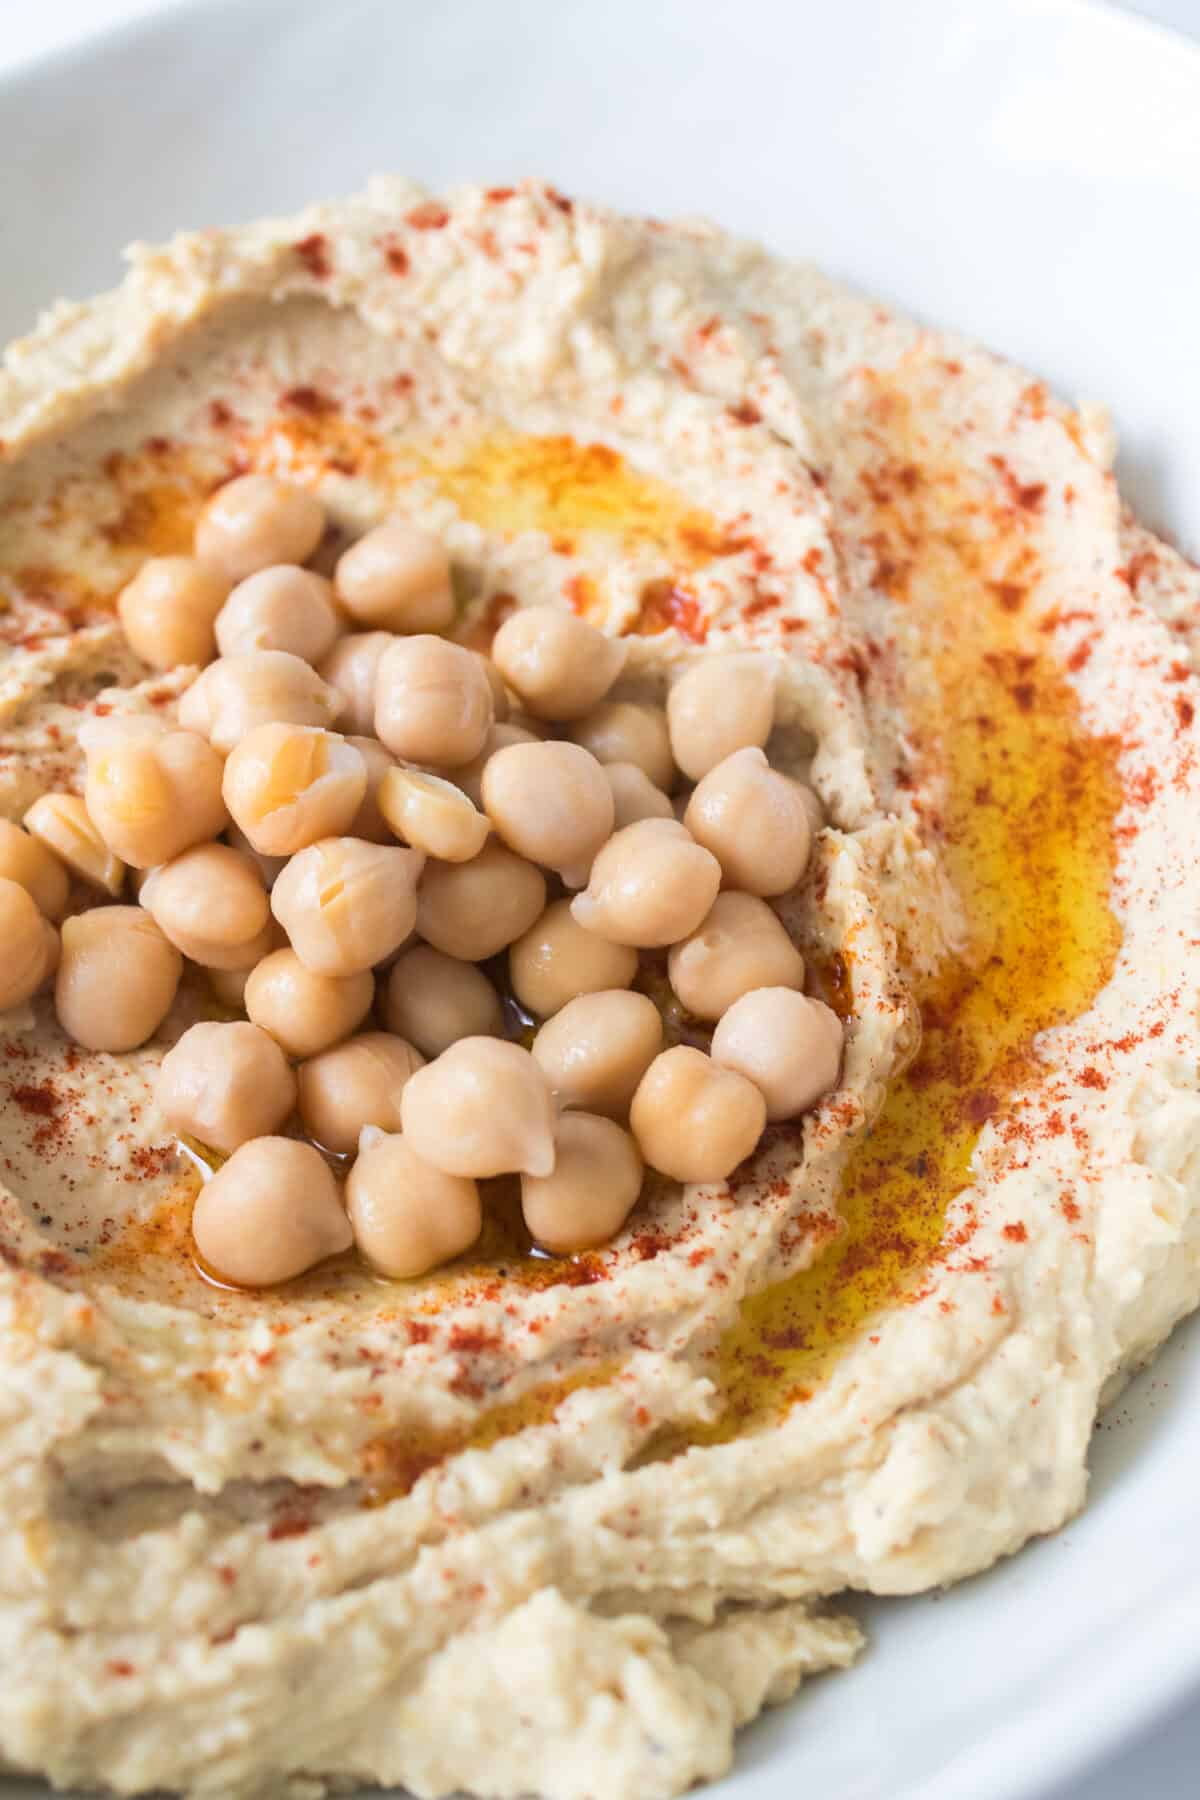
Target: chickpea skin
288, 786
789, 1046
268, 1214
304, 1012
595, 1050
31, 865
407, 1216
169, 609
211, 904
117, 977
351, 668
224, 1084
650, 885
255, 521
591, 1190
557, 959
280, 608
355, 1084
151, 793
627, 732
261, 687
347, 905
29, 945
433, 702
482, 1108
722, 704
635, 795
432, 814
475, 909
62, 825
434, 1000
740, 945
694, 1121
396, 577
559, 666
755, 822
551, 803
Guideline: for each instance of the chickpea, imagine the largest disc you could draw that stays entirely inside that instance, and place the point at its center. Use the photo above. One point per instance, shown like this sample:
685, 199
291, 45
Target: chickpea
722, 704
694, 1121
369, 822
287, 786
269, 867
627, 732
434, 1000
260, 687
28, 946
550, 803
500, 701
740, 945
591, 1190
60, 823
635, 795
117, 978
224, 1084
789, 1046
557, 959
432, 814
347, 905
433, 702
352, 669
469, 776
407, 1216
255, 521
305, 1013
356, 1083
397, 577
31, 865
280, 608
152, 796
211, 904
650, 885
596, 1049
169, 609
268, 1214
475, 909
483, 1107
755, 822
559, 666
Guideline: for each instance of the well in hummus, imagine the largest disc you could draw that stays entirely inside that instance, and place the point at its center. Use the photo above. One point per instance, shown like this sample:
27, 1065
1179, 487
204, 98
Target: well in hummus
534, 1493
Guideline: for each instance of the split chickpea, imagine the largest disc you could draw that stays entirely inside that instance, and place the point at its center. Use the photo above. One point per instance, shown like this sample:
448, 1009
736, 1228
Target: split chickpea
151, 792
721, 704
433, 702
434, 1000
255, 521
224, 1084
739, 946
169, 610
557, 959
35, 868
475, 909
432, 814
596, 1049
346, 904
650, 885
212, 904
591, 1190
551, 803
305, 1012
396, 577
353, 1085
270, 1213
61, 824
483, 1107
287, 786
117, 977
693, 1120
409, 1217
755, 822
559, 666
789, 1046
30, 945
279, 608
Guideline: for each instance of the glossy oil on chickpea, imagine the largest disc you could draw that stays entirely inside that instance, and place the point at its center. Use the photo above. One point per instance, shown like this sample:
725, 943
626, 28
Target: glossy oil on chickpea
225, 1083
270, 1213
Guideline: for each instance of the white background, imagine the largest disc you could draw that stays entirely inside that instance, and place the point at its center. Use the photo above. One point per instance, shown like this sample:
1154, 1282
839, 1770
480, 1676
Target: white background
1165, 1763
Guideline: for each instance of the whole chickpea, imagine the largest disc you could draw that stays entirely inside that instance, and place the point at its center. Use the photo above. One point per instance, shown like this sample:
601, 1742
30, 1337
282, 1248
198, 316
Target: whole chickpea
151, 792
409, 1217
351, 668
649, 886
693, 1120
557, 959
268, 1214
434, 1000
625, 731
305, 1012
755, 822
591, 1190
789, 1046
355, 1084
740, 945
224, 1084
254, 521
433, 702
635, 795
596, 1049
169, 609
481, 1108
257, 687
279, 608
211, 904
473, 910
28, 945
722, 704
559, 666
117, 977
397, 577
550, 803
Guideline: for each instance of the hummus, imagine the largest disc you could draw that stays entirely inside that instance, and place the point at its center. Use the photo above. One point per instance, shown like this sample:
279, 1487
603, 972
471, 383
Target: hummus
563, 1525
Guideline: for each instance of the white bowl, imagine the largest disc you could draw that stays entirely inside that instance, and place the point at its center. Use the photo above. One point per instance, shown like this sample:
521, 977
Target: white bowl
1027, 170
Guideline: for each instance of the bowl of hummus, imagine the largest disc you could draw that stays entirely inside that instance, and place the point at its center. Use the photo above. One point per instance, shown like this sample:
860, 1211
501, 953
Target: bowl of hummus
599, 1037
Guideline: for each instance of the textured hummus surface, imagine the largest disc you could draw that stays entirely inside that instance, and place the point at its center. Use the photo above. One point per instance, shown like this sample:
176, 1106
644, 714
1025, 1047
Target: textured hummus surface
562, 1526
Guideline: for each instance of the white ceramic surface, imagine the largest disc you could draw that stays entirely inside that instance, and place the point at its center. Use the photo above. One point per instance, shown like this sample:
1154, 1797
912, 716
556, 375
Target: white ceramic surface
1027, 170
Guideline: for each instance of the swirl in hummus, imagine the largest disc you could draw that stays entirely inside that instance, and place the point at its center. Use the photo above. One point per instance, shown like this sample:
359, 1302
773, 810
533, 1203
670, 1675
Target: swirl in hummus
562, 1524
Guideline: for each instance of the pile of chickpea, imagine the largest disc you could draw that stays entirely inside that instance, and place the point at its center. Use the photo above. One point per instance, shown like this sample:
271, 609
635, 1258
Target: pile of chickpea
315, 873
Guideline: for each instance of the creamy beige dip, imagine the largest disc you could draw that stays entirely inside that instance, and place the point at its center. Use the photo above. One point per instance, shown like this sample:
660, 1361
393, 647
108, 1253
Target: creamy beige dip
562, 1525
